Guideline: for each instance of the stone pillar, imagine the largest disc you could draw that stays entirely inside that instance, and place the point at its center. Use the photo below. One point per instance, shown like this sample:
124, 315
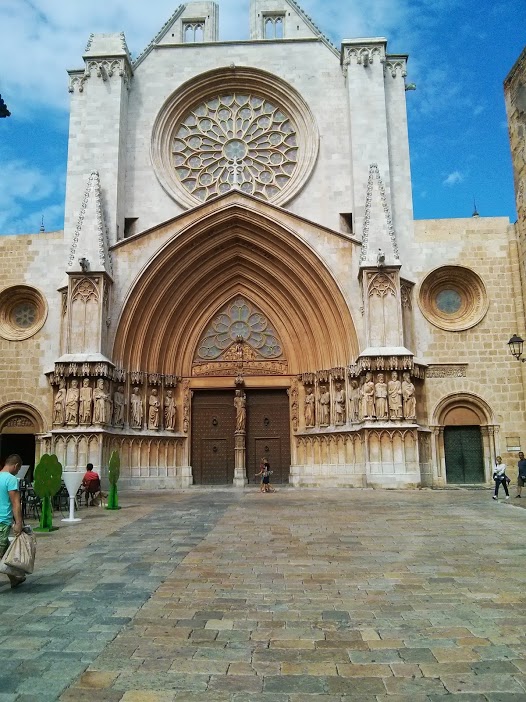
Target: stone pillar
240, 455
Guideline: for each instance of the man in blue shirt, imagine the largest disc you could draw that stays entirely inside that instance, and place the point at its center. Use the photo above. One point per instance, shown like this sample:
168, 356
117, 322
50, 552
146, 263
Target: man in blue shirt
522, 473
10, 507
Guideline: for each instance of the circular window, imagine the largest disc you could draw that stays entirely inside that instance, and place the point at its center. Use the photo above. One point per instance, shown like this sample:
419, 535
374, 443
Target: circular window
236, 128
23, 311
453, 298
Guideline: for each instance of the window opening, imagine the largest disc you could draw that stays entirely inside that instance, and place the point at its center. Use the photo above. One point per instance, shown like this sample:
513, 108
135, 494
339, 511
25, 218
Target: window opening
274, 26
346, 222
193, 32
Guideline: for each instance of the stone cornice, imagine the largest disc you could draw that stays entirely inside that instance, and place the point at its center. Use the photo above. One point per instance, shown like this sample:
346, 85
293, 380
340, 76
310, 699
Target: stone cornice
396, 65
362, 52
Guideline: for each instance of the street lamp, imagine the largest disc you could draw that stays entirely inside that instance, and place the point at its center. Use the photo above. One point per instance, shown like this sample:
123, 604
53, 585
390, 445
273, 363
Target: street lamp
515, 345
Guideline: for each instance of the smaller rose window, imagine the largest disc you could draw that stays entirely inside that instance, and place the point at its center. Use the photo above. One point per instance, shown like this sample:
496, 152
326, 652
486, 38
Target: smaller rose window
235, 141
239, 321
24, 315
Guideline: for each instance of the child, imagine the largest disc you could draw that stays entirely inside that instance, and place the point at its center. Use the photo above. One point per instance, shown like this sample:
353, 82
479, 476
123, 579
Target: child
500, 477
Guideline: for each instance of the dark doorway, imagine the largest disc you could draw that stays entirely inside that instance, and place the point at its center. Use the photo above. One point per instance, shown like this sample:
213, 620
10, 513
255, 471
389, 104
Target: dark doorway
268, 433
24, 445
464, 455
213, 426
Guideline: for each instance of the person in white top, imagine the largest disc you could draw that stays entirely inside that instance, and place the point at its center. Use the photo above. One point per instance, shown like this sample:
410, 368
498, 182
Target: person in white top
500, 478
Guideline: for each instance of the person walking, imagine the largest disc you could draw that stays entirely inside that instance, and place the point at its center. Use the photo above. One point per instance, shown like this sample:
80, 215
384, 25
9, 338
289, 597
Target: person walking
265, 473
500, 478
10, 508
521, 477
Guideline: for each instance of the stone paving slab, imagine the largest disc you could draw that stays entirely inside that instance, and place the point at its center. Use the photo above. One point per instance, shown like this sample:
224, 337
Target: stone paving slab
234, 596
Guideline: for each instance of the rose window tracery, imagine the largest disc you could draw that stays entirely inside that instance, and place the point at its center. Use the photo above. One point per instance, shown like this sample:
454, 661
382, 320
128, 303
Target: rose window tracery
239, 321
24, 315
235, 141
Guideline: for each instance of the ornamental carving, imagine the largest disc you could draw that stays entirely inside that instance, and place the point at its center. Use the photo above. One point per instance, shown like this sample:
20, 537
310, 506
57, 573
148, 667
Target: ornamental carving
447, 371
235, 141
18, 421
406, 293
85, 291
382, 284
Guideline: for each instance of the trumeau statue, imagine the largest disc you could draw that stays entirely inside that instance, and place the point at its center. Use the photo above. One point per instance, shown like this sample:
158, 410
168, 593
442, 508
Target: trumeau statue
72, 404
339, 405
368, 409
325, 406
170, 411
136, 409
86, 399
153, 410
394, 389
118, 407
408, 394
59, 405
380, 394
240, 403
100, 403
309, 411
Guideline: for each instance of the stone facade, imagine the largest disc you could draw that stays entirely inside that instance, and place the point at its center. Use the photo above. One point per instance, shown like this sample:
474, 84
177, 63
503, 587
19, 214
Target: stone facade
239, 216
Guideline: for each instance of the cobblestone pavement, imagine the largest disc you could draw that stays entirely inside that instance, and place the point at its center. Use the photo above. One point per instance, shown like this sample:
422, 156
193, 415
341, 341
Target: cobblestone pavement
302, 595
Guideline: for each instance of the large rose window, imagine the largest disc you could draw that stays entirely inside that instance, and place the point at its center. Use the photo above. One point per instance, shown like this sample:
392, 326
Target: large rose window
235, 141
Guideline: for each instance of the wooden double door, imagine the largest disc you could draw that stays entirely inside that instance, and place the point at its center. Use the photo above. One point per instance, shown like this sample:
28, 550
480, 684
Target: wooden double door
464, 454
213, 427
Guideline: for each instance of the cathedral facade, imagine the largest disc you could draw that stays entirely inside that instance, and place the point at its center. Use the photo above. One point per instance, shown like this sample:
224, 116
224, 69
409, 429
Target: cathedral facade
240, 276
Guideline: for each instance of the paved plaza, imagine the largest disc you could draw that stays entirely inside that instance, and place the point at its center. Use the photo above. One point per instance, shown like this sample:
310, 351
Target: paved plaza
234, 596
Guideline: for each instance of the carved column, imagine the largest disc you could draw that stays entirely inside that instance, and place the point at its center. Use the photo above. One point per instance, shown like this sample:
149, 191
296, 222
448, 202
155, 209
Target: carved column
240, 454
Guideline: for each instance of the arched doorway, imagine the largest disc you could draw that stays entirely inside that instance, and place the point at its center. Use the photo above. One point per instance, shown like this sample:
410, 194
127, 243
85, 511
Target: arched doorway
466, 445
19, 426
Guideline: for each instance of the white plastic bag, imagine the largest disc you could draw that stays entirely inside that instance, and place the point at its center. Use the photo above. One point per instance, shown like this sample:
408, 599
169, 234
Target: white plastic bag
19, 559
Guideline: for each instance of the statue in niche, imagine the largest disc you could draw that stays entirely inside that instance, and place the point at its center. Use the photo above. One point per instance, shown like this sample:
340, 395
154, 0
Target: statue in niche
240, 403
325, 406
380, 397
136, 409
394, 389
72, 404
309, 409
368, 409
170, 411
153, 410
355, 401
86, 399
118, 407
59, 405
339, 405
100, 403
408, 396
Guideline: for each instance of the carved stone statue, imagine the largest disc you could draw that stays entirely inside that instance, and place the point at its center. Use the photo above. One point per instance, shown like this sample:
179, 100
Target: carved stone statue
170, 411
118, 407
100, 403
325, 406
309, 410
368, 397
339, 405
72, 404
86, 400
380, 395
408, 395
153, 410
355, 401
394, 389
59, 404
136, 409
240, 403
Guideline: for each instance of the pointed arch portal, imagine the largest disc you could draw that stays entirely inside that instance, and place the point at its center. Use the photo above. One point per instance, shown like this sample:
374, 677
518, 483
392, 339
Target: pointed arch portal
234, 252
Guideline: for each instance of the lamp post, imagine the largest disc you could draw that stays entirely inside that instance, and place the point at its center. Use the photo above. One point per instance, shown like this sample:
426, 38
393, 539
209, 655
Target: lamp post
515, 345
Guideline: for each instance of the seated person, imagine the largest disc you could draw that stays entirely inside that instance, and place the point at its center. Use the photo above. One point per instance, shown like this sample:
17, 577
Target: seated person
90, 483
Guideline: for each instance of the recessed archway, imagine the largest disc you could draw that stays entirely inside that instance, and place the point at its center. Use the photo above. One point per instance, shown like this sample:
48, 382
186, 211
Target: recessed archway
234, 251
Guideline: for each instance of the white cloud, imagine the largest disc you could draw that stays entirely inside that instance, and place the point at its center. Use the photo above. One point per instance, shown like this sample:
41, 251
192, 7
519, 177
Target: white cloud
453, 179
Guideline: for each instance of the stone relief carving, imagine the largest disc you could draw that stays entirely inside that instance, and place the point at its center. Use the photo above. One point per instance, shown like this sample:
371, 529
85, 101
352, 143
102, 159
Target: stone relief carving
368, 390
153, 409
394, 389
325, 406
406, 293
447, 371
382, 284
118, 407
340, 403
240, 403
59, 405
136, 409
309, 407
18, 421
86, 401
72, 404
293, 394
187, 395
101, 403
380, 398
170, 411
409, 400
355, 401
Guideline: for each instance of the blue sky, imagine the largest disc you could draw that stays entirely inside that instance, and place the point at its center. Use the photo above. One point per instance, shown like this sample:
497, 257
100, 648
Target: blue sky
460, 53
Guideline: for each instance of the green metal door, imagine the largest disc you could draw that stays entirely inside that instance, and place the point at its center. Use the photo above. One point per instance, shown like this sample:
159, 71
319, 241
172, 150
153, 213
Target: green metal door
464, 455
